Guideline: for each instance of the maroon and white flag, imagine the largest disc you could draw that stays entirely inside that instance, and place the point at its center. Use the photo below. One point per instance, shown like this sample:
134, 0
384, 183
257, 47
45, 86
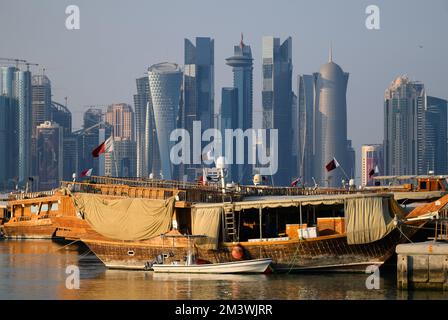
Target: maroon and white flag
106, 146
86, 173
295, 182
333, 164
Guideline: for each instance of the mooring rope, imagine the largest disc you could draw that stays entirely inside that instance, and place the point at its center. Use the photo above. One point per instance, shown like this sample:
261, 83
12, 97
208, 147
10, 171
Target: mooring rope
67, 245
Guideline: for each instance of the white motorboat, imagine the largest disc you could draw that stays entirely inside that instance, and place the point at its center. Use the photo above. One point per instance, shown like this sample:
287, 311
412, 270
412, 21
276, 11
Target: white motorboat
244, 266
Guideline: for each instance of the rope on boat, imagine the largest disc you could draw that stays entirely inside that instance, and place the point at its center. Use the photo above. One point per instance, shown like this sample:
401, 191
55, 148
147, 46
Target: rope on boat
399, 229
294, 257
84, 254
67, 245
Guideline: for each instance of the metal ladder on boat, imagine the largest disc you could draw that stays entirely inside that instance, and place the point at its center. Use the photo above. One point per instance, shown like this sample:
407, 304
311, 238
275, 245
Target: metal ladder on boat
229, 224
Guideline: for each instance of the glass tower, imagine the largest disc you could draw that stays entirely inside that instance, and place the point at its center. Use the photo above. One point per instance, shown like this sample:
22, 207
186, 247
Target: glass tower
242, 65
165, 81
198, 86
277, 101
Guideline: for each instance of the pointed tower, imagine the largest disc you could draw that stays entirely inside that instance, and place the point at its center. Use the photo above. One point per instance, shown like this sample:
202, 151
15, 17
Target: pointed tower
331, 133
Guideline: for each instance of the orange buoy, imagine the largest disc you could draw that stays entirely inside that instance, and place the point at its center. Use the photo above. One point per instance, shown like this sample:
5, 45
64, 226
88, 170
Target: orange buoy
237, 252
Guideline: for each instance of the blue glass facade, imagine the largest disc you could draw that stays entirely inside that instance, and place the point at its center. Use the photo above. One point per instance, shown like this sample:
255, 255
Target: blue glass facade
165, 81
242, 65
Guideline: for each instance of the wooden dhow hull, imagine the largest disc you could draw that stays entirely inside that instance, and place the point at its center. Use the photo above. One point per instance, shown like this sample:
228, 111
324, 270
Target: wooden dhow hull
31, 229
329, 253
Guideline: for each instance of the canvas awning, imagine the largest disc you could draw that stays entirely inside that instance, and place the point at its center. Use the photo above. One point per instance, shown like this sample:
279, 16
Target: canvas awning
293, 201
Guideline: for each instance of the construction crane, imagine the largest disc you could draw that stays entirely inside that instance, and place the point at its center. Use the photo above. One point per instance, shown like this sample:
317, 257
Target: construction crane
20, 61
17, 61
28, 64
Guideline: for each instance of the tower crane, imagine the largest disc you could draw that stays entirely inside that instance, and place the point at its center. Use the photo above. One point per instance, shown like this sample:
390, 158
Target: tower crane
28, 64
17, 61
20, 61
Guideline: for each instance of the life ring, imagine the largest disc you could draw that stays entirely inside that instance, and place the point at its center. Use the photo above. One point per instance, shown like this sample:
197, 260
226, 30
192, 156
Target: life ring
237, 252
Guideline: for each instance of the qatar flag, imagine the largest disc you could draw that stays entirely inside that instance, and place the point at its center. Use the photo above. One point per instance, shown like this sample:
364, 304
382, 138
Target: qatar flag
106, 146
295, 182
333, 164
86, 173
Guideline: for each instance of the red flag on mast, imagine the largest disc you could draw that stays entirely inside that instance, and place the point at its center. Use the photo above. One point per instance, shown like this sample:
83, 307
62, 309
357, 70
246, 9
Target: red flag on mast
86, 173
333, 164
106, 146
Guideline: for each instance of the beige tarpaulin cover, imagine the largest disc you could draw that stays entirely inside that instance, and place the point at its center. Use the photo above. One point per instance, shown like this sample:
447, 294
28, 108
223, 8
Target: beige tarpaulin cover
126, 219
205, 221
370, 219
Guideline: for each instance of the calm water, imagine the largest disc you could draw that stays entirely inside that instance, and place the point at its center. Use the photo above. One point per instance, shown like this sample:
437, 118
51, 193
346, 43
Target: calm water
35, 269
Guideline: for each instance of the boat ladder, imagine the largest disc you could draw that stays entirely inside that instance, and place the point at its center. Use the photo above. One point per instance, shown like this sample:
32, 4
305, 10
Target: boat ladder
229, 224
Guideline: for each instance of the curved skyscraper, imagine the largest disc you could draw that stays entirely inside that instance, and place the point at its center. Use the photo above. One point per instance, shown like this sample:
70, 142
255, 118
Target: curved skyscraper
165, 80
332, 124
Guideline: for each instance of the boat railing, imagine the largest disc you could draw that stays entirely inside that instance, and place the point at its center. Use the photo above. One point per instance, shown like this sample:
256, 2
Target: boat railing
151, 192
31, 195
151, 183
23, 218
288, 191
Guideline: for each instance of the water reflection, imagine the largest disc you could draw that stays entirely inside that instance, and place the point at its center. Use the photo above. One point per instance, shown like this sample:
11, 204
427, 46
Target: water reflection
35, 269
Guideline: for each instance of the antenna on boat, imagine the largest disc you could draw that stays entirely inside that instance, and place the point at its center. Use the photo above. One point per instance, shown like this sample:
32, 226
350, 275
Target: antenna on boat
316, 186
221, 165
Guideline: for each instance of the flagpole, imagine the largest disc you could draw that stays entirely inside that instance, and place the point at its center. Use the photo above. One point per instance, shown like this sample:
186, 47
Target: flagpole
343, 171
115, 158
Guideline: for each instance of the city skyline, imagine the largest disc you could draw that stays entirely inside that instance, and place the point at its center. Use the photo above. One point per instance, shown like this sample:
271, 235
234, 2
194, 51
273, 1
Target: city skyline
422, 58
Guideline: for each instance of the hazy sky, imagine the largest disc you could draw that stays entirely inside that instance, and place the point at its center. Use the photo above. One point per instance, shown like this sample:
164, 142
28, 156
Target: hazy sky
119, 40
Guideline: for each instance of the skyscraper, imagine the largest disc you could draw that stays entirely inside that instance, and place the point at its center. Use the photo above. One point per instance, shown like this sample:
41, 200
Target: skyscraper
121, 117
198, 86
40, 111
49, 155
415, 133
16, 85
141, 100
242, 65
61, 115
165, 81
23, 94
434, 154
8, 135
228, 119
322, 121
277, 101
41, 103
401, 101
122, 160
331, 125
7, 81
89, 138
5, 146
306, 113
371, 163
295, 125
